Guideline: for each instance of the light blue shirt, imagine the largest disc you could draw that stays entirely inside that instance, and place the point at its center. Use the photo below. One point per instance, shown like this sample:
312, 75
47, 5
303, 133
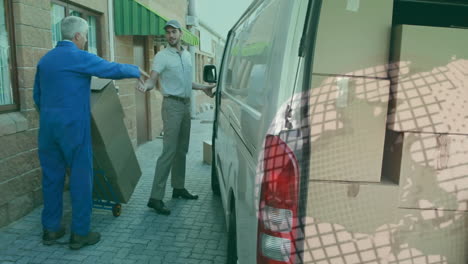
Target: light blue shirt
175, 71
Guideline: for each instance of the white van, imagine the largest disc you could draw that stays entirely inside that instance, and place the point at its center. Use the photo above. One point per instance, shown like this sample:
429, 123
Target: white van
341, 133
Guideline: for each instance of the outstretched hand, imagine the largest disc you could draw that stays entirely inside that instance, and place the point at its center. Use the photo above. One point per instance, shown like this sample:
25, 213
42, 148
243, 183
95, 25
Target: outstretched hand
141, 87
208, 90
143, 74
141, 81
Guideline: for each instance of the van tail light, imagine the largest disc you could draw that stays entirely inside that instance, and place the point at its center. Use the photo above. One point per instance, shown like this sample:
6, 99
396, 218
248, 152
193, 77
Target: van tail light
278, 208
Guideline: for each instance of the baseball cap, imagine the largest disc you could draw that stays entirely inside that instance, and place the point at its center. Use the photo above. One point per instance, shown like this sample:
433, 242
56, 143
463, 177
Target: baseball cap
173, 23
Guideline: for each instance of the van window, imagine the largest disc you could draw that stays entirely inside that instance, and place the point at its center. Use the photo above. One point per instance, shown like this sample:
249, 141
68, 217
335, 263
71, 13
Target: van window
252, 53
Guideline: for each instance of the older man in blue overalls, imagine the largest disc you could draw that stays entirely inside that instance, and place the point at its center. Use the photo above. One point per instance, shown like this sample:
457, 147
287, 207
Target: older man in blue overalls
62, 96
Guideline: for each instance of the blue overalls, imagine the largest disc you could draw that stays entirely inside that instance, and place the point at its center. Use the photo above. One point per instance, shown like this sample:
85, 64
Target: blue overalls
62, 95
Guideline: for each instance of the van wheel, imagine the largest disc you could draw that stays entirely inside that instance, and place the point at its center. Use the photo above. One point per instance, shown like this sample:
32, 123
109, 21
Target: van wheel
214, 180
232, 239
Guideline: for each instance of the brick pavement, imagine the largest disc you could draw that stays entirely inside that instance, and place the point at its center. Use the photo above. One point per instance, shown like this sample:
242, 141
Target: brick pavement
193, 233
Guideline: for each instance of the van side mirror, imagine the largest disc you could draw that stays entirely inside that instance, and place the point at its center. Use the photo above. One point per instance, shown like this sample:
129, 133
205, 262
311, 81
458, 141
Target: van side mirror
209, 74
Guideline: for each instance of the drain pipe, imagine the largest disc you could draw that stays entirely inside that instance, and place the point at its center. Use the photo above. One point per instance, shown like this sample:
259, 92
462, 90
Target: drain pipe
110, 15
110, 21
192, 21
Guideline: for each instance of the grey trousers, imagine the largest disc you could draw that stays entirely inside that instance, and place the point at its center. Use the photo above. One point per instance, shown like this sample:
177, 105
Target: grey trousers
176, 126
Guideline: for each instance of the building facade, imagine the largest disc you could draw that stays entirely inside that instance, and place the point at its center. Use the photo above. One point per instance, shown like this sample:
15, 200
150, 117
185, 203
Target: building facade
28, 30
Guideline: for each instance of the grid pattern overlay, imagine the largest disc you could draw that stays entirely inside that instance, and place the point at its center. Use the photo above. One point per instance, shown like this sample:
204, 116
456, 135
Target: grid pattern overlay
440, 164
433, 102
360, 221
345, 115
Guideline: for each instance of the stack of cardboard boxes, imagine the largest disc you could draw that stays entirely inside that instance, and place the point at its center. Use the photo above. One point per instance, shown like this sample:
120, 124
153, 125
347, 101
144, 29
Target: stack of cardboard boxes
427, 145
350, 91
378, 186
348, 105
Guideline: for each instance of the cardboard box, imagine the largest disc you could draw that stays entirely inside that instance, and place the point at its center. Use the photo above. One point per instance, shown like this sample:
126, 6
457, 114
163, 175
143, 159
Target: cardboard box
433, 172
353, 38
207, 152
347, 117
361, 223
431, 102
423, 48
349, 222
359, 207
114, 157
441, 234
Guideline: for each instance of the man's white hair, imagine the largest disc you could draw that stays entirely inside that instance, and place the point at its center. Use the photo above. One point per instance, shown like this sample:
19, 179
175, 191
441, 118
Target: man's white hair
72, 25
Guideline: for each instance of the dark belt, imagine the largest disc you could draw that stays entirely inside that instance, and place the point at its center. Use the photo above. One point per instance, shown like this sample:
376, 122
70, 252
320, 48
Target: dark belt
182, 99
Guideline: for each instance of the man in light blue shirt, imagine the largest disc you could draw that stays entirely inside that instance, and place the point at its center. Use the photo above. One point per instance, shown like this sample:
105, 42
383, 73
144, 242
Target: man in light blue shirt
175, 72
173, 67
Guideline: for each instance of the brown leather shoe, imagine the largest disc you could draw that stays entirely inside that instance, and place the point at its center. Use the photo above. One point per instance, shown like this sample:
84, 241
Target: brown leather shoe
158, 205
184, 194
51, 237
77, 241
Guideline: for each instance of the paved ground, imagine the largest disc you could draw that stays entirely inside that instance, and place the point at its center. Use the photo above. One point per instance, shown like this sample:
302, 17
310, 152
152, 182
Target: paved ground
193, 233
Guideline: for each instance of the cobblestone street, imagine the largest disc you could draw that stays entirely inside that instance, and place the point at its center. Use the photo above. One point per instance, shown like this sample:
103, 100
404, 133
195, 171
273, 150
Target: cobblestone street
193, 233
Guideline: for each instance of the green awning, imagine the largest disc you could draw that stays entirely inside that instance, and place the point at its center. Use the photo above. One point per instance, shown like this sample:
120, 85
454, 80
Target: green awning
134, 18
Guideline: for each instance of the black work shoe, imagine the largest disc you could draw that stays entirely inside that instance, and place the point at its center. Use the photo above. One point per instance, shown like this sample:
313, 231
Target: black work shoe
50, 237
184, 194
77, 241
158, 205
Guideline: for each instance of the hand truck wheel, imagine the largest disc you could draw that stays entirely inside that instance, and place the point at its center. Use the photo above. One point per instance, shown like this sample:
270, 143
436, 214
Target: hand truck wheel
116, 210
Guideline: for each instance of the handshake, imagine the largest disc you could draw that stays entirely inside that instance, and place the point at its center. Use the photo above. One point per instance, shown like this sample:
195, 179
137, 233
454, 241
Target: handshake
147, 82
144, 78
